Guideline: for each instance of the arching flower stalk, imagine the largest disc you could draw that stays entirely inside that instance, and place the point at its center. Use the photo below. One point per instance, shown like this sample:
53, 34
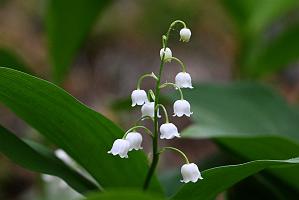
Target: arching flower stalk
150, 105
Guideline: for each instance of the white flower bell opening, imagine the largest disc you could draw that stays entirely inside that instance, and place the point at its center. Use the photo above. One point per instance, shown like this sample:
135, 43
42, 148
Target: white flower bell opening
169, 131
138, 97
135, 140
181, 107
168, 54
183, 80
120, 147
148, 109
185, 34
190, 172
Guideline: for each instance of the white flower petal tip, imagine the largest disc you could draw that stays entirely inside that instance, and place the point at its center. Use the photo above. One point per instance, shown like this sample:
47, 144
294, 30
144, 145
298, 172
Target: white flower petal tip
185, 34
181, 107
168, 131
135, 140
148, 109
190, 173
183, 80
168, 54
138, 97
120, 147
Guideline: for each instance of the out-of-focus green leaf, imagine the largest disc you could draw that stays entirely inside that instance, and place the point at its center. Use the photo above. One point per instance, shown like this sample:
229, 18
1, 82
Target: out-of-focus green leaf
217, 180
68, 23
10, 60
274, 54
124, 194
253, 16
83, 133
250, 120
41, 160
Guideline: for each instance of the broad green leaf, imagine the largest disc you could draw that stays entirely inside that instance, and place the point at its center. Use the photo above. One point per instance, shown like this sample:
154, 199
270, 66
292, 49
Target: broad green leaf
39, 159
124, 194
83, 133
250, 120
217, 180
10, 60
68, 23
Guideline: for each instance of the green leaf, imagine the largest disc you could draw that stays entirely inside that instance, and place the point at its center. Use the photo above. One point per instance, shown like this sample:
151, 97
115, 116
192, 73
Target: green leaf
83, 133
124, 194
253, 16
250, 120
40, 159
10, 60
217, 180
68, 23
273, 55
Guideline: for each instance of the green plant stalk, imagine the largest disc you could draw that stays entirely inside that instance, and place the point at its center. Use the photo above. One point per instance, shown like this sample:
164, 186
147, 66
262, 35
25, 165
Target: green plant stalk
156, 153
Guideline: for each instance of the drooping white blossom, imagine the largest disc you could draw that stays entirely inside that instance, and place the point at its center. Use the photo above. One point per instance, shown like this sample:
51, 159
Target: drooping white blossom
185, 34
138, 97
168, 131
135, 140
148, 109
181, 107
183, 80
120, 147
168, 54
190, 172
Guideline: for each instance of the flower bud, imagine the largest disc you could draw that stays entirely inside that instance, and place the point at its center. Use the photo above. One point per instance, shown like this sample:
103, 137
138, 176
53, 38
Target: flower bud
185, 34
138, 97
183, 80
135, 140
168, 54
148, 109
120, 147
190, 172
168, 131
181, 107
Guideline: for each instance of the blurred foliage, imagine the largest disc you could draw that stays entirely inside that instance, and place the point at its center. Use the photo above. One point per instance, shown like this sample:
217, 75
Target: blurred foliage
250, 120
261, 53
67, 27
38, 158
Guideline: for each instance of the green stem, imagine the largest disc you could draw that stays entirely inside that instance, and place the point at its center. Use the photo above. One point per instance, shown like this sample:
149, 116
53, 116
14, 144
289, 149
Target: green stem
178, 151
175, 86
144, 76
142, 118
155, 160
165, 112
135, 127
179, 61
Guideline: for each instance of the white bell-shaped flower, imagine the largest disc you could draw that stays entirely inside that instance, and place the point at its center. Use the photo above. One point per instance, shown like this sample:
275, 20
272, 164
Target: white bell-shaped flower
138, 97
190, 172
148, 109
135, 140
185, 34
168, 54
183, 80
120, 147
169, 131
181, 107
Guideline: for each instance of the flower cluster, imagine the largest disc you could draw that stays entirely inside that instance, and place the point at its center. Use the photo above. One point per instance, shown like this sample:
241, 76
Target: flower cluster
150, 109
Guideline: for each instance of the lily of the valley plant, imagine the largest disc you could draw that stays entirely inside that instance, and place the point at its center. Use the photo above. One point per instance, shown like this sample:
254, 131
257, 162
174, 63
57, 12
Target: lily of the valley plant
150, 102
